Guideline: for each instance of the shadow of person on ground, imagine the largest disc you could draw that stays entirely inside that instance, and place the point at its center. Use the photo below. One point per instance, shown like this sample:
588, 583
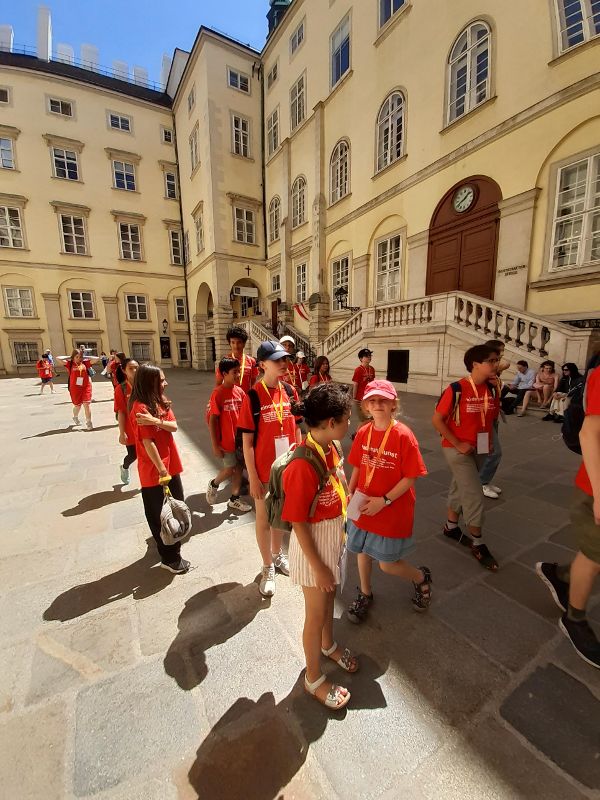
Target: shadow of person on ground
140, 579
69, 429
100, 500
205, 518
256, 748
210, 618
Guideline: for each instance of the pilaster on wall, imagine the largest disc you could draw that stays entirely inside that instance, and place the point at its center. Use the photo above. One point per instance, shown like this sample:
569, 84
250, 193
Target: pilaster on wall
319, 321
359, 290
416, 261
319, 208
55, 327
201, 346
222, 319
514, 244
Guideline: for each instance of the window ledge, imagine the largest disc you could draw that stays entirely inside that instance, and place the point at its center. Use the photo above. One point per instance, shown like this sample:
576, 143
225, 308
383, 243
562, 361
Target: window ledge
301, 225
390, 166
241, 157
298, 128
566, 277
66, 180
84, 319
129, 191
245, 244
133, 260
341, 199
345, 77
14, 319
79, 255
10, 247
469, 114
394, 20
10, 169
170, 198
574, 50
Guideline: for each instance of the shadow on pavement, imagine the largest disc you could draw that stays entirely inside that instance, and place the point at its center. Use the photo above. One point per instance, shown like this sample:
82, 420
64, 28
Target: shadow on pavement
140, 579
205, 518
210, 618
68, 429
100, 500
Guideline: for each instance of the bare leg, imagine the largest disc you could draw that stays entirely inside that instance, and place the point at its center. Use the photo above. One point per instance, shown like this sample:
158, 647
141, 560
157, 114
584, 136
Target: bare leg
87, 410
452, 515
76, 410
327, 631
583, 574
547, 393
276, 540
263, 533
365, 569
221, 476
236, 479
402, 569
316, 610
526, 400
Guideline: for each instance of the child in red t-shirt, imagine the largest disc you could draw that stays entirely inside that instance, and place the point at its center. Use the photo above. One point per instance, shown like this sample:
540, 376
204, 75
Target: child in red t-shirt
317, 542
237, 338
126, 431
158, 460
320, 372
80, 384
464, 416
302, 371
271, 434
46, 373
386, 460
224, 409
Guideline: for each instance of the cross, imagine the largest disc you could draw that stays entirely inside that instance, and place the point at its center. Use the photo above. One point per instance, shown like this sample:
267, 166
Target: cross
248, 270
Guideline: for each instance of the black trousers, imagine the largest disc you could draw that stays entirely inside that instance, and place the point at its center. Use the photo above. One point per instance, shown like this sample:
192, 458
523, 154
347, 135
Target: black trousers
153, 497
510, 403
130, 457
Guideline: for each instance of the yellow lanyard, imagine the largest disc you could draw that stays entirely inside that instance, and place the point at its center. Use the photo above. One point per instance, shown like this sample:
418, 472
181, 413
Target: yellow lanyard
373, 462
279, 411
243, 366
334, 480
482, 411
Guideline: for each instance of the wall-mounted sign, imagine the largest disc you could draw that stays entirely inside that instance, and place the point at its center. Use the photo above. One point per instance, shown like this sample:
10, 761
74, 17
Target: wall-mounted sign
512, 270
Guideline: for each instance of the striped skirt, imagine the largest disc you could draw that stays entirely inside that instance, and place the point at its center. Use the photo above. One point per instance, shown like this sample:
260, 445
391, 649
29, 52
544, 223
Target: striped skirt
328, 536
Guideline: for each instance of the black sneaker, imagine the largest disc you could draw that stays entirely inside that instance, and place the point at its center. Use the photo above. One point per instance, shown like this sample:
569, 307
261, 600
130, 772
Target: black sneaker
177, 567
548, 418
457, 535
557, 588
583, 639
358, 609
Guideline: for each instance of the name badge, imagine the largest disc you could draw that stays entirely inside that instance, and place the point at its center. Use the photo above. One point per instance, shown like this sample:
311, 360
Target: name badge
79, 381
483, 443
282, 445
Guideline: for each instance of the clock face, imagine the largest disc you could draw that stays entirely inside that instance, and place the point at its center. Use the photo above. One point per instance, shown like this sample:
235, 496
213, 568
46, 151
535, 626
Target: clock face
463, 198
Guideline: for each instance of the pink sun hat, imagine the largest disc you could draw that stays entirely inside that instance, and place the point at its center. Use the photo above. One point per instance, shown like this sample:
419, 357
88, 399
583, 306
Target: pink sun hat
380, 389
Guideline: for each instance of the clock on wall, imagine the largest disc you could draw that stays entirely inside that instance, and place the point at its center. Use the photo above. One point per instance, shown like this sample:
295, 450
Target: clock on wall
463, 198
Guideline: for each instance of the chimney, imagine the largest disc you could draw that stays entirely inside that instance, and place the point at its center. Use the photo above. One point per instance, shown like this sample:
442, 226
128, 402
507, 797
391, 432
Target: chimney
65, 53
44, 34
165, 69
90, 57
140, 76
6, 38
121, 70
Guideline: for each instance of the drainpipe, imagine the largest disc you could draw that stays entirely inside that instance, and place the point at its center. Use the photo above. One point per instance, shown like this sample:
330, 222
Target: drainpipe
185, 266
263, 158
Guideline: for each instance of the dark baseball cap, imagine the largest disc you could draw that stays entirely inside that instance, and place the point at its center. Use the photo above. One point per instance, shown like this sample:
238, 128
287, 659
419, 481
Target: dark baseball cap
271, 351
365, 352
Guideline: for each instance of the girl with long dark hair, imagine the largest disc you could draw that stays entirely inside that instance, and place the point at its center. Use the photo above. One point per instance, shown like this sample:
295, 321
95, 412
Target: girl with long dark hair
320, 372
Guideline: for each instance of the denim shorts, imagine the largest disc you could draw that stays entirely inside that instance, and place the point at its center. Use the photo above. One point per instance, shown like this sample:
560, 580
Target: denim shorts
381, 548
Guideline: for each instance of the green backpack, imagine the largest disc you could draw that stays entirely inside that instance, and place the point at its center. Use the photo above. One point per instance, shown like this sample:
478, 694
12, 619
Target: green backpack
275, 496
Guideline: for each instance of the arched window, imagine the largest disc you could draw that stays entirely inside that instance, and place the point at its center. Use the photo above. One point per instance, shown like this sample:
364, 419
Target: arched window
469, 70
274, 219
339, 172
390, 131
298, 201
579, 20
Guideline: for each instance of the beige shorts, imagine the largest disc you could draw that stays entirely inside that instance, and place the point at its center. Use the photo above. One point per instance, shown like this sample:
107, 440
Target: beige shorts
465, 495
582, 518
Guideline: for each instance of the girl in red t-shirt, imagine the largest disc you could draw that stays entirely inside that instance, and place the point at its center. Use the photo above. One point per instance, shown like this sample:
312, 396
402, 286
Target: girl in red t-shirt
80, 384
154, 424
320, 372
46, 373
317, 542
302, 372
126, 431
386, 460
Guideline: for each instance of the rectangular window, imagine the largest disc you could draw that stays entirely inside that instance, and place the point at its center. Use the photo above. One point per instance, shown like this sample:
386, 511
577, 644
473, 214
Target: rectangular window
171, 185
276, 282
340, 51
579, 21
272, 75
249, 304
191, 100
298, 102
19, 302
176, 247
7, 160
180, 310
240, 136
387, 8
119, 122
136, 306
82, 305
273, 132
65, 164
199, 225
26, 353
194, 148
62, 107
576, 228
244, 225
124, 175
141, 351
389, 253
238, 80
339, 280
4, 95
11, 229
73, 234
131, 242
297, 38
183, 351
301, 292
167, 135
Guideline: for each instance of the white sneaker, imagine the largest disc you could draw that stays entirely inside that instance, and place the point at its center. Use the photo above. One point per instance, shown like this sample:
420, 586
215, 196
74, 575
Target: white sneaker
489, 492
211, 493
76, 421
267, 581
239, 505
89, 425
124, 475
496, 489
281, 563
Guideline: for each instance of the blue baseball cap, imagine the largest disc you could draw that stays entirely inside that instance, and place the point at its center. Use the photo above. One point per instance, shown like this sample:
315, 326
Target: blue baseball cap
271, 351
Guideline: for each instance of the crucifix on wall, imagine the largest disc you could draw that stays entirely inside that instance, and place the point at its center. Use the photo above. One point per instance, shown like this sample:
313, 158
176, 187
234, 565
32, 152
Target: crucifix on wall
248, 270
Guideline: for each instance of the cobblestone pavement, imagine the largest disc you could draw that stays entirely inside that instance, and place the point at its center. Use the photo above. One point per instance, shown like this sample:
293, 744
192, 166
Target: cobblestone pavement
120, 681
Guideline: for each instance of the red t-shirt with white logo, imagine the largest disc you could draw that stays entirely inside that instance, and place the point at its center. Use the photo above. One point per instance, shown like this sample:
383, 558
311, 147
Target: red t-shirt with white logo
317, 379
362, 376
225, 403
164, 441
401, 458
248, 371
269, 427
44, 368
121, 401
300, 485
470, 408
592, 407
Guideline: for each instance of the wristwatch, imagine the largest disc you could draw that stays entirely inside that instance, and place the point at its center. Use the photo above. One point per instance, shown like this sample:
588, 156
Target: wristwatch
387, 500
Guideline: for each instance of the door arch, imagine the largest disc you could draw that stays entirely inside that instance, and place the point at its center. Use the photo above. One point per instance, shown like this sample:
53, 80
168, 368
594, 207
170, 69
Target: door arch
463, 238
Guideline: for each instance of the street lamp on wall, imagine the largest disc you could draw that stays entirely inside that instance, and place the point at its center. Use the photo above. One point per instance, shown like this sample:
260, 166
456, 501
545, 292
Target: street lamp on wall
165, 326
341, 295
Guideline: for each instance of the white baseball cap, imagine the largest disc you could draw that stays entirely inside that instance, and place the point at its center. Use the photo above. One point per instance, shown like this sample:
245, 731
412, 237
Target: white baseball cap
300, 354
287, 339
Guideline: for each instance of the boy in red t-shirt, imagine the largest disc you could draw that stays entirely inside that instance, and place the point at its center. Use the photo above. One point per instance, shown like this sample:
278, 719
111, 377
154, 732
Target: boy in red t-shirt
386, 462
237, 338
265, 437
363, 375
464, 416
571, 585
224, 407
